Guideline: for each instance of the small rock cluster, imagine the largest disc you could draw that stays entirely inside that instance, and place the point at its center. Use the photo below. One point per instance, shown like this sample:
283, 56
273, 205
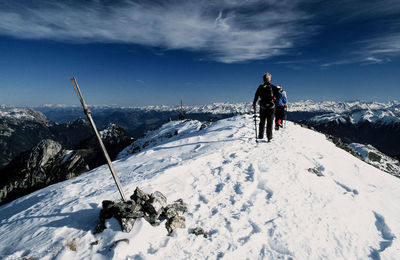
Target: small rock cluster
152, 207
316, 171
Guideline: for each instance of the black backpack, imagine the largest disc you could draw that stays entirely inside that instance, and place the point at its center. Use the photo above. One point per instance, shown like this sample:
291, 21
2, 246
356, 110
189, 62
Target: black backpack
266, 96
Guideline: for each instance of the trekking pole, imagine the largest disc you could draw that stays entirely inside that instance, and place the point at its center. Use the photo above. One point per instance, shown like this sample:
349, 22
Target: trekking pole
255, 122
87, 112
285, 116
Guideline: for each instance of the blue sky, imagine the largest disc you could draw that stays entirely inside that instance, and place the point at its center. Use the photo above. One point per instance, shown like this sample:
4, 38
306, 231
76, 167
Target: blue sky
159, 52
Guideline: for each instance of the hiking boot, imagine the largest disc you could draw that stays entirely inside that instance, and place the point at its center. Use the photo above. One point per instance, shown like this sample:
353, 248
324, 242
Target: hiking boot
277, 127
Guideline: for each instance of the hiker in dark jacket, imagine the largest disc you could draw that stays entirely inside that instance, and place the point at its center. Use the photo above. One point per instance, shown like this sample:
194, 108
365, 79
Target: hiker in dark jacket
280, 105
267, 94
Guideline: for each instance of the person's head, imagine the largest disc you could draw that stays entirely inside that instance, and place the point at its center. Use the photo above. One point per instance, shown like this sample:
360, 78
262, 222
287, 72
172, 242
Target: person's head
280, 87
267, 77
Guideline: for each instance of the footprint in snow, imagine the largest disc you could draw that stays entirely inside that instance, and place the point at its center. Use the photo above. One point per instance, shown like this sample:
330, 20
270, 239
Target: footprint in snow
385, 233
250, 173
238, 189
347, 189
219, 187
262, 186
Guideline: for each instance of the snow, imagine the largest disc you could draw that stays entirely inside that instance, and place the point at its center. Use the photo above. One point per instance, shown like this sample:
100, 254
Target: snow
68, 155
16, 113
328, 118
378, 159
256, 201
361, 149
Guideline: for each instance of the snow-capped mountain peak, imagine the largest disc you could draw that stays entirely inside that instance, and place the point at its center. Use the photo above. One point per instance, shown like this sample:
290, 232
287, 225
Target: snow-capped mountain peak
22, 114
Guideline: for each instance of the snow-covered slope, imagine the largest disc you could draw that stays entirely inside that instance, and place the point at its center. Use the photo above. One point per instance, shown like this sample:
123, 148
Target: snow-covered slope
256, 201
380, 160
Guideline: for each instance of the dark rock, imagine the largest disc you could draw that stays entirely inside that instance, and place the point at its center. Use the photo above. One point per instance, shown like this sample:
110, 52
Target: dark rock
374, 157
154, 207
150, 207
170, 212
117, 242
174, 209
125, 212
174, 223
316, 171
44, 164
155, 204
127, 224
95, 243
199, 231
139, 196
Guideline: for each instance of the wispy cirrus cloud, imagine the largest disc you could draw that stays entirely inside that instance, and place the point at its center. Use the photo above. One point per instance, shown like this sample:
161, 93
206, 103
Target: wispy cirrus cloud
379, 20
228, 31
379, 49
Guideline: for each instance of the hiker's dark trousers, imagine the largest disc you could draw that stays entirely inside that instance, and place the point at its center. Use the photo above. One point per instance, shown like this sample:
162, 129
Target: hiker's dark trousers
279, 114
266, 114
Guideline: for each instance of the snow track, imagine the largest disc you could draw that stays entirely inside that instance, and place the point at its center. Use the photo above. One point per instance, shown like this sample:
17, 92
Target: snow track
257, 201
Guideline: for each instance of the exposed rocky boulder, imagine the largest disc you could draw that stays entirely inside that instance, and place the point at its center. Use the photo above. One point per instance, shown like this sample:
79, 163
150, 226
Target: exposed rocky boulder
44, 164
152, 207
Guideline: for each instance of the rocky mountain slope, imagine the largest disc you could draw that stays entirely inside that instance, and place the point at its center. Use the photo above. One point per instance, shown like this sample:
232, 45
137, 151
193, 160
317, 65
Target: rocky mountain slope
38, 152
48, 162
45, 164
22, 129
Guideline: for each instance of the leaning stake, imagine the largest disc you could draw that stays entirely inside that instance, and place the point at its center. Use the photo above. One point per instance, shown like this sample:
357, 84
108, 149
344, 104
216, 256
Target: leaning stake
87, 112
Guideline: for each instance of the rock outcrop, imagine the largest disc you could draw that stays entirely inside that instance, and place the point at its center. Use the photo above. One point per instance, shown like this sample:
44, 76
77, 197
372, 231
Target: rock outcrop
44, 164
152, 207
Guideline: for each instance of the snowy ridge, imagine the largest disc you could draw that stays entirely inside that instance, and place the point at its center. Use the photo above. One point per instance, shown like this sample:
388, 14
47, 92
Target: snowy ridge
256, 201
341, 107
18, 113
378, 159
168, 132
351, 112
354, 117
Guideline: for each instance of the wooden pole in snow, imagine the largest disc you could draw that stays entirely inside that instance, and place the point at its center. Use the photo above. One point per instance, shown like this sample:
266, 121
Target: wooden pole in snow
87, 112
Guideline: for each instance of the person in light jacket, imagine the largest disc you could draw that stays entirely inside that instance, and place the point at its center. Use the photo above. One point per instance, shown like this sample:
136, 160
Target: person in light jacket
280, 106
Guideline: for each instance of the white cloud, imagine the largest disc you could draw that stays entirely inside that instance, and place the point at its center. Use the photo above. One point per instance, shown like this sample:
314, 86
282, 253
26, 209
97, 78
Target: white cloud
228, 31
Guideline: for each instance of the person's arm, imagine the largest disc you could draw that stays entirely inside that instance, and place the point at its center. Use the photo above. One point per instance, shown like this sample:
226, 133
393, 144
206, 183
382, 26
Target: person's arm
284, 99
275, 90
256, 97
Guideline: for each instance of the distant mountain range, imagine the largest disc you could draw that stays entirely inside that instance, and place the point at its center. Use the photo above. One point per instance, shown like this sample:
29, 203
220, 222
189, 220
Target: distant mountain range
376, 124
